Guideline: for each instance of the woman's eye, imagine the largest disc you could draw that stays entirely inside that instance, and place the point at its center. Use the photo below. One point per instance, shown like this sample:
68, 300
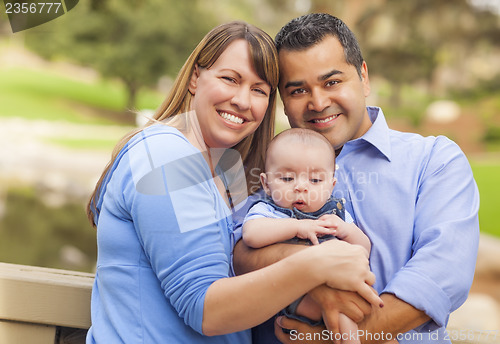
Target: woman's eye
228, 78
261, 91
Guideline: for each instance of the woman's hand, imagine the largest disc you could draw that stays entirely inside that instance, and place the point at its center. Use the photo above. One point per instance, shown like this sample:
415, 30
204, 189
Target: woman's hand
346, 267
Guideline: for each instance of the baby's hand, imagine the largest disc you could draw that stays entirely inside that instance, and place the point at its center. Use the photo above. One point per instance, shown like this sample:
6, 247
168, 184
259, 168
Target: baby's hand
339, 227
311, 229
330, 221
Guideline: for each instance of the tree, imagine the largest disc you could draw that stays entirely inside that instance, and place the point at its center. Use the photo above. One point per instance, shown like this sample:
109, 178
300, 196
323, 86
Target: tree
136, 41
419, 37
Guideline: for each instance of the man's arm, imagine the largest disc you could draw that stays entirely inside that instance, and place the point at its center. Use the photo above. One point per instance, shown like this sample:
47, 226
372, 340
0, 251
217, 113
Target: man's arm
395, 317
246, 259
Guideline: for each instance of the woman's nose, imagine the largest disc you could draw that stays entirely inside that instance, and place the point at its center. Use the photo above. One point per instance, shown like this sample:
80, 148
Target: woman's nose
241, 98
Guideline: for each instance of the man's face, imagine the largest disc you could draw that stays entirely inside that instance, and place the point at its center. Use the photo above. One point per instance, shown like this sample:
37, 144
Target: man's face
322, 92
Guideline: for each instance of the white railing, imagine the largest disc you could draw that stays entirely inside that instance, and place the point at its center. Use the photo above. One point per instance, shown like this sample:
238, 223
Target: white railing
41, 305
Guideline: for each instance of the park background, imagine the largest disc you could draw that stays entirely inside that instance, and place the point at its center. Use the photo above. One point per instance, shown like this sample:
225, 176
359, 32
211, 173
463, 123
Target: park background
70, 88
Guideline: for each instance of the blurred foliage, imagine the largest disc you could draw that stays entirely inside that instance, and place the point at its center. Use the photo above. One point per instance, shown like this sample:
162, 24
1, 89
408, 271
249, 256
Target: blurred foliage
406, 41
34, 233
135, 41
139, 41
492, 134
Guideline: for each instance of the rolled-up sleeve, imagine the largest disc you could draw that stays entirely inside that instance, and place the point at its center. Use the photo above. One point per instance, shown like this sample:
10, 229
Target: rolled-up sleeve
438, 276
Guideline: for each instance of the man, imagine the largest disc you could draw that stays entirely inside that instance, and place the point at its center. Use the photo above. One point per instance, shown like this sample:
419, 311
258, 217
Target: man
415, 197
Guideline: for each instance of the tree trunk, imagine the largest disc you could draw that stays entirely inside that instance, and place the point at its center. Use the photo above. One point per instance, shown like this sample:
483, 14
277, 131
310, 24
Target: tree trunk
132, 89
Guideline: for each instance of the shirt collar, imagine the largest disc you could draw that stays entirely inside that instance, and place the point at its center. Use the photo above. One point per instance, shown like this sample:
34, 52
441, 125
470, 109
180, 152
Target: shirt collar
378, 134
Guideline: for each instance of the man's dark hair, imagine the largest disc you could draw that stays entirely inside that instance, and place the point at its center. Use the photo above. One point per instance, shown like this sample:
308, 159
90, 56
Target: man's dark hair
305, 31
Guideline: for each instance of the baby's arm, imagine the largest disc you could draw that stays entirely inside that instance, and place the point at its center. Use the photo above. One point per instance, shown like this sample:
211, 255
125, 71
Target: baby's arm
348, 232
352, 234
260, 232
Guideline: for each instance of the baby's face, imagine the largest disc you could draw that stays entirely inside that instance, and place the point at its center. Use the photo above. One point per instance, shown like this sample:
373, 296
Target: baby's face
300, 177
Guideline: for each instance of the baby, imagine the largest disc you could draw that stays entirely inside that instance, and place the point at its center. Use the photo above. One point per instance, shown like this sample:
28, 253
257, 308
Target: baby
298, 182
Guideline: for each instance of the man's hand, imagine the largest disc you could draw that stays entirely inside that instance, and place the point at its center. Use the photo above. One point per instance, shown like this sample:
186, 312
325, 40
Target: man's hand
299, 332
396, 317
334, 301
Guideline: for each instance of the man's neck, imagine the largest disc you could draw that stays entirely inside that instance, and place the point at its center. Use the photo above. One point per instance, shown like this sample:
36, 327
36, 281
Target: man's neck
338, 150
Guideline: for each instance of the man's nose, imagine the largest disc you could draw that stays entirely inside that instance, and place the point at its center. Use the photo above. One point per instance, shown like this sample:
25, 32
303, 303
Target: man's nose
319, 101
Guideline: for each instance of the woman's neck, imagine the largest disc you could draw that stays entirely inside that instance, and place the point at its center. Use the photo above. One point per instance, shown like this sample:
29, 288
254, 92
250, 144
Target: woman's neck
187, 123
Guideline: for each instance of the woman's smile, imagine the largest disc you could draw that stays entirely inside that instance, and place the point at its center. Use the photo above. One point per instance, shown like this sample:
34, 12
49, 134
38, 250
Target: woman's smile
231, 117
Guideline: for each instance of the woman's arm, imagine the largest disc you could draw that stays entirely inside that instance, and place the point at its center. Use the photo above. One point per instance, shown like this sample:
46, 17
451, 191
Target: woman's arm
237, 303
263, 231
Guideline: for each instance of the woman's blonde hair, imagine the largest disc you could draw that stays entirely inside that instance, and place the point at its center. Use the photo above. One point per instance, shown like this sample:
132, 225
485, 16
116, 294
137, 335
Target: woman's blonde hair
265, 62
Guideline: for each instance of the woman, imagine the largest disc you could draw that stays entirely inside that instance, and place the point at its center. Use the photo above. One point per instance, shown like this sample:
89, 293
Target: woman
162, 209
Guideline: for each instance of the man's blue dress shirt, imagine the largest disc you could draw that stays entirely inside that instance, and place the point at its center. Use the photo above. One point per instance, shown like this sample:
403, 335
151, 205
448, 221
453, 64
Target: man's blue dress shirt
416, 199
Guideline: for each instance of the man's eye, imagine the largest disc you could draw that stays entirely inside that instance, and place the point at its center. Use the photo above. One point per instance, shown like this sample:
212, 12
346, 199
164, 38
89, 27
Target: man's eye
298, 91
332, 83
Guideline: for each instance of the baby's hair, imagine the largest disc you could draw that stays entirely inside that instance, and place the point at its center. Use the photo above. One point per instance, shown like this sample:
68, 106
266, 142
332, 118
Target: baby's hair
304, 136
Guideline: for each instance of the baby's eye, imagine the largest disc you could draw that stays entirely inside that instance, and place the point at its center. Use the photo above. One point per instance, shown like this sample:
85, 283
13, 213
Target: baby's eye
287, 179
316, 180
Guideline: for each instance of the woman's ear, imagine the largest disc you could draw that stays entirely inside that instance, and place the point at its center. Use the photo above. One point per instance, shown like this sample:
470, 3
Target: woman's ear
193, 82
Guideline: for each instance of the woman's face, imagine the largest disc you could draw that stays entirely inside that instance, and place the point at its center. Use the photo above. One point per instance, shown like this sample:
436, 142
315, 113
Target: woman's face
229, 98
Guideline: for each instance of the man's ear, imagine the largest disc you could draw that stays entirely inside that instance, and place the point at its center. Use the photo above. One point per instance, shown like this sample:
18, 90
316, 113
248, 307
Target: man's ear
265, 186
193, 82
365, 79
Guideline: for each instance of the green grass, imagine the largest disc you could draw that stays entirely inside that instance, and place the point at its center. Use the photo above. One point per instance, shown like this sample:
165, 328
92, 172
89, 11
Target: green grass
78, 143
487, 179
39, 94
